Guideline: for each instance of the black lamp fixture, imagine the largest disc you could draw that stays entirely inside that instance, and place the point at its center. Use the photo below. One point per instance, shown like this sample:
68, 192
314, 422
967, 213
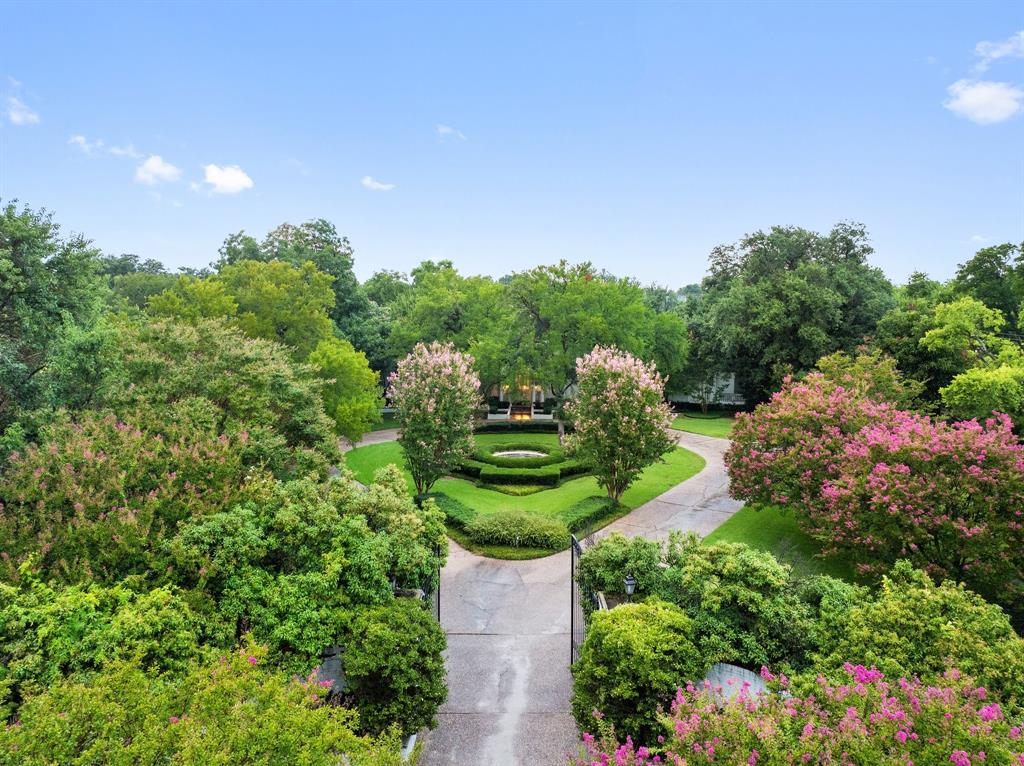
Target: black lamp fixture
630, 583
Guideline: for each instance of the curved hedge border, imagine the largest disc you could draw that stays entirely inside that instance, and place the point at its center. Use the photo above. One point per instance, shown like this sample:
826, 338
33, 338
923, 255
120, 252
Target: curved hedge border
485, 454
547, 475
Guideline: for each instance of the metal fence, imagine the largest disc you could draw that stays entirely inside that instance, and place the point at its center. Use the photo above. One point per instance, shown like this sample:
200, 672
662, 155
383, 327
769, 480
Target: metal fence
579, 596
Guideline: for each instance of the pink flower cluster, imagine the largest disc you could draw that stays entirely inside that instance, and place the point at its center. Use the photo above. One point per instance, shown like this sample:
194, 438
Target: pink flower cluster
881, 483
863, 720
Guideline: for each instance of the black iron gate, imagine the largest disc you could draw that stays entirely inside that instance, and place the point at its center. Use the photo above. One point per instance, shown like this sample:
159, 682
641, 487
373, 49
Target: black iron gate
577, 620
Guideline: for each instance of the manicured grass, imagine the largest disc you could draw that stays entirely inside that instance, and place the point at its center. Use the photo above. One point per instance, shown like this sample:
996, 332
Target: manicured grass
718, 425
679, 465
772, 529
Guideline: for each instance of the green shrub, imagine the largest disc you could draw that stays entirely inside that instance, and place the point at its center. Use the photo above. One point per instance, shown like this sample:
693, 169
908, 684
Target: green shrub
549, 475
485, 454
234, 710
914, 627
47, 633
743, 604
394, 667
516, 490
518, 530
583, 514
472, 468
604, 566
514, 427
456, 513
634, 658
570, 468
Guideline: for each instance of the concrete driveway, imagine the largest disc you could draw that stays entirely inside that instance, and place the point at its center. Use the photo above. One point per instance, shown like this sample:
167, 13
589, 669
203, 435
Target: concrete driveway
508, 633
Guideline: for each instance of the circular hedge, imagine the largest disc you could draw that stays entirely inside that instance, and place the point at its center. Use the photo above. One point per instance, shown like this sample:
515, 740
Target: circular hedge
485, 454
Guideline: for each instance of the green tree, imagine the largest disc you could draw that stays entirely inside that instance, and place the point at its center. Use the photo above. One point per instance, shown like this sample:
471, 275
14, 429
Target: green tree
993, 276
281, 302
786, 297
386, 287
871, 373
352, 392
190, 299
48, 285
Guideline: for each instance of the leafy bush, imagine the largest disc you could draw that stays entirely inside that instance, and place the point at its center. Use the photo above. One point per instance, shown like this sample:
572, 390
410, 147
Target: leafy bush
570, 468
234, 710
548, 475
633, 659
519, 530
47, 633
394, 667
604, 566
584, 513
914, 627
865, 719
471, 468
742, 601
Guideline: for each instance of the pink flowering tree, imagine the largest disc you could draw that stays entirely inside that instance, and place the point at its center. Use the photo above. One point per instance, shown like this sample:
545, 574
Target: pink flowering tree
782, 452
434, 392
620, 415
865, 719
948, 497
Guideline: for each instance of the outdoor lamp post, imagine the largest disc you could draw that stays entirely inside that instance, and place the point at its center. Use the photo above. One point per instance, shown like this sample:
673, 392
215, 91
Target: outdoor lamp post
630, 583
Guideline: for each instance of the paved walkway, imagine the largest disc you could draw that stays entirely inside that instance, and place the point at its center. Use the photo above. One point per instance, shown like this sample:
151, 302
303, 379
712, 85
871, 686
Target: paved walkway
508, 630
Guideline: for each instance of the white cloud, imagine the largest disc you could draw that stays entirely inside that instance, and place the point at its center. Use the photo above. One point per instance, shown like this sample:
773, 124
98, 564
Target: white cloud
155, 169
978, 239
88, 147
19, 113
372, 185
447, 130
988, 51
229, 179
983, 101
126, 151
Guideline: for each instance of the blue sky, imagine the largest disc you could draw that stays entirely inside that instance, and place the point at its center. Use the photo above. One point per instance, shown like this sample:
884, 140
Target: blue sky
633, 135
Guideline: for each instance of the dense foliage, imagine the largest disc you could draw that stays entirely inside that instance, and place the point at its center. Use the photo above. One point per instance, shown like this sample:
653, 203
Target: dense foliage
620, 416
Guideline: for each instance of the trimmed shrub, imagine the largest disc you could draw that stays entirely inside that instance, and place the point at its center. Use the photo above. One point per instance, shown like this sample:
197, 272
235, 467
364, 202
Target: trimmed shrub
604, 566
548, 475
582, 514
522, 427
518, 530
633, 660
485, 454
568, 469
456, 513
394, 669
471, 468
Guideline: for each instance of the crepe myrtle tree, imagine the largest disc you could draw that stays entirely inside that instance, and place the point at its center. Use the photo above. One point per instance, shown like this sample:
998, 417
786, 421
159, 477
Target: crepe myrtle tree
435, 392
620, 415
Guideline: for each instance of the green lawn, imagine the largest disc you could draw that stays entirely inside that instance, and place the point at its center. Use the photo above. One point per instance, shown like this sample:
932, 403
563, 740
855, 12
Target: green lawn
719, 425
770, 528
679, 465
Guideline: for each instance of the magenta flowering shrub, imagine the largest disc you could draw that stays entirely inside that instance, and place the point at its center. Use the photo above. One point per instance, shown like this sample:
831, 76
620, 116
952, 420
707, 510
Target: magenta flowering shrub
949, 498
435, 393
783, 451
620, 415
866, 719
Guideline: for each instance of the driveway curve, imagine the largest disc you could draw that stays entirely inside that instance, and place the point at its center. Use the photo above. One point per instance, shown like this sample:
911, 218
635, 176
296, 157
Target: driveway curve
507, 624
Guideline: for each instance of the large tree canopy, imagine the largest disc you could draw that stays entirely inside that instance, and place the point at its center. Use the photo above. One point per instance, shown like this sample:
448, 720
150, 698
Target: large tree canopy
48, 287
784, 298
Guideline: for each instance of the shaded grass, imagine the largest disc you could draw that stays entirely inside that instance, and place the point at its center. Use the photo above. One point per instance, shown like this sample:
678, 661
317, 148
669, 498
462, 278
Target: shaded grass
774, 529
388, 422
718, 425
